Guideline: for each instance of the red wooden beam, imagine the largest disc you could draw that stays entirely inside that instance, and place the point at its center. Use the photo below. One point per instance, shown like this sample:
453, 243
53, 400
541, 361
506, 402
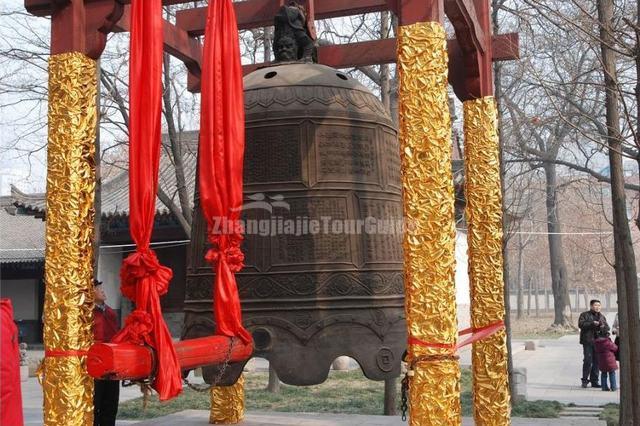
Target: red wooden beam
385, 52
46, 7
463, 17
412, 11
125, 361
260, 13
68, 29
506, 47
484, 82
176, 42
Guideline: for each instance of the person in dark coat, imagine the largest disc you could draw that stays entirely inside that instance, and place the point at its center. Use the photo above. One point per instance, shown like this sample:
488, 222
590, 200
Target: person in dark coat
606, 355
591, 323
106, 393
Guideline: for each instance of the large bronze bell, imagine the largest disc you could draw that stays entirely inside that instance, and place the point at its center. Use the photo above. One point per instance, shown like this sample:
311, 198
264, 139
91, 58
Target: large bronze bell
320, 148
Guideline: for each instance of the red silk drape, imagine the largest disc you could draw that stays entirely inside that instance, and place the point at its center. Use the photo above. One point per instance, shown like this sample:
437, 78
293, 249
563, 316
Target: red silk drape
143, 279
220, 160
10, 391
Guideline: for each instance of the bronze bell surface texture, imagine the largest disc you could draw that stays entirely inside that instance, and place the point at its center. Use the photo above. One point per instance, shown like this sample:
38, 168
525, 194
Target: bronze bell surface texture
323, 228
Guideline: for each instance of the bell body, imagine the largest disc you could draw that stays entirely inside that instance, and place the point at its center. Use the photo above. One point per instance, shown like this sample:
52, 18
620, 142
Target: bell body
323, 228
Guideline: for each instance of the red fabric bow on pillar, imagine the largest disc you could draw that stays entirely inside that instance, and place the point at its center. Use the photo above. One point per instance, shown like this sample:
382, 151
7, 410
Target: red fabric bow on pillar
143, 279
220, 156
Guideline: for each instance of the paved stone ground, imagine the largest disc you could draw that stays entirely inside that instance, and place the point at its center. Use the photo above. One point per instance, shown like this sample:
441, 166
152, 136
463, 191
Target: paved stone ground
554, 370
201, 418
32, 399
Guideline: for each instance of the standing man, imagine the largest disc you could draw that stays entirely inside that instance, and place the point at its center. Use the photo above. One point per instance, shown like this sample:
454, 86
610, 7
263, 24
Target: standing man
106, 392
591, 323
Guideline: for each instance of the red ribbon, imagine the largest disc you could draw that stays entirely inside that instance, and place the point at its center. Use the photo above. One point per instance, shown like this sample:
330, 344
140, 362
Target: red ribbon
477, 334
221, 156
143, 279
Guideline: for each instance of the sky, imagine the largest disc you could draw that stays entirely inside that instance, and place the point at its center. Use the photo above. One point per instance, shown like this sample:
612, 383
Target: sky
22, 121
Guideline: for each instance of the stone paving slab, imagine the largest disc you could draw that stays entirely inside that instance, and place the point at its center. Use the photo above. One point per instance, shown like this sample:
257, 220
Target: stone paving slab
32, 399
201, 418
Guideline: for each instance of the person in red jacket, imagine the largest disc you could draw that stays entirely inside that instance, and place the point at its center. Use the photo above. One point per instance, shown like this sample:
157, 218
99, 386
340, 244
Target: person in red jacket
106, 392
606, 356
10, 393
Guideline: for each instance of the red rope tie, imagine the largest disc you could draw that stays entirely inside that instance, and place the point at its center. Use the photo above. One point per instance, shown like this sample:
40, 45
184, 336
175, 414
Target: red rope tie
58, 353
415, 341
477, 333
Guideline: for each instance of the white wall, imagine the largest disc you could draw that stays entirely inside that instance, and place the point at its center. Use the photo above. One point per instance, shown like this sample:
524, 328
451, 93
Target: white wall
24, 297
463, 295
109, 273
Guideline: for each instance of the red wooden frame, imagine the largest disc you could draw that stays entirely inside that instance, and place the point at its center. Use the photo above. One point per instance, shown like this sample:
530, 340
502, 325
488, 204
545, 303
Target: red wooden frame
82, 25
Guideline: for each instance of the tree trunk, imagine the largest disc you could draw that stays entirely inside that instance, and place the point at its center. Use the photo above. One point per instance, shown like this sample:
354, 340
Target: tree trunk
393, 82
176, 152
529, 297
546, 297
559, 284
267, 40
97, 220
385, 95
626, 392
626, 275
274, 382
536, 286
585, 296
390, 392
497, 68
520, 301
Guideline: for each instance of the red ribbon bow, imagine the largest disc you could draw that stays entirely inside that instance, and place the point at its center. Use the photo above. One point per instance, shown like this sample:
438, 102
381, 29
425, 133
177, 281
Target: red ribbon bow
142, 264
226, 248
144, 280
138, 327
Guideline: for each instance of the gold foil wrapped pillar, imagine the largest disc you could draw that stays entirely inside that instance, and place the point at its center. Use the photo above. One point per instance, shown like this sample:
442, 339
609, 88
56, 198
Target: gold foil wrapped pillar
227, 403
429, 244
68, 315
484, 219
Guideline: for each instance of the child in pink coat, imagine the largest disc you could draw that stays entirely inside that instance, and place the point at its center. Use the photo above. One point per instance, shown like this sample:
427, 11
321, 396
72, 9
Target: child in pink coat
606, 356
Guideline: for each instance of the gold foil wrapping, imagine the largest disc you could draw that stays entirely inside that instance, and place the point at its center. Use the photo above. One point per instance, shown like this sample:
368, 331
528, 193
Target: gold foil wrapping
227, 403
429, 244
484, 219
68, 316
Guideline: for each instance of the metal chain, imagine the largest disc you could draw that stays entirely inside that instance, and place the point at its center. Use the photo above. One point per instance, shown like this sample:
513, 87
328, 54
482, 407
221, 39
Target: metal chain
404, 405
206, 388
404, 398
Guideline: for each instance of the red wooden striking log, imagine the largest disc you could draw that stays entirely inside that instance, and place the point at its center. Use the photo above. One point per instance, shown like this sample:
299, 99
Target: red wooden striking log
125, 361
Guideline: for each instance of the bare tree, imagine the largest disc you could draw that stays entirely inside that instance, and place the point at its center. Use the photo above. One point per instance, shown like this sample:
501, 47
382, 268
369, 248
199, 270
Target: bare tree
626, 273
603, 118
